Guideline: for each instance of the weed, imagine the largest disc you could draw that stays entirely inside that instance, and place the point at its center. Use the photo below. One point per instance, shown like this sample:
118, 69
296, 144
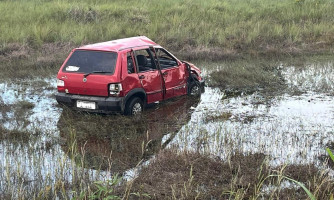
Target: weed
330, 154
310, 195
220, 117
105, 189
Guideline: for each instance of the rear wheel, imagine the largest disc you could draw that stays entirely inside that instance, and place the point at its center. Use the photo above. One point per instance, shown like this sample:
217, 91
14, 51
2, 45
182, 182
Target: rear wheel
134, 107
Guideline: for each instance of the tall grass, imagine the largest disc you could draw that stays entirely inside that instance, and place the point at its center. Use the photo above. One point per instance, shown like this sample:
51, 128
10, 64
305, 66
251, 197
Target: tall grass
39, 34
232, 24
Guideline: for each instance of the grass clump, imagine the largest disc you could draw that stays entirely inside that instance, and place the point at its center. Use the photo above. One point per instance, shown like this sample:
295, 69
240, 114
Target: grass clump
220, 117
25, 105
189, 175
14, 135
241, 76
274, 75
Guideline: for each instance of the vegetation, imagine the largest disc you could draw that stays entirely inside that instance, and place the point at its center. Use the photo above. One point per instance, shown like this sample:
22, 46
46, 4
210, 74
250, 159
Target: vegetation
209, 27
267, 75
191, 175
172, 174
235, 77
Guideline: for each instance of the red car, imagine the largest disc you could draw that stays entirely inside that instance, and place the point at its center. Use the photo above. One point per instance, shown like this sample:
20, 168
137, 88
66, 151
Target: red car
124, 76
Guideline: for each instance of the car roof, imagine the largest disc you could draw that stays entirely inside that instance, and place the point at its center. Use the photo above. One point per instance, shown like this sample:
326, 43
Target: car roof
120, 44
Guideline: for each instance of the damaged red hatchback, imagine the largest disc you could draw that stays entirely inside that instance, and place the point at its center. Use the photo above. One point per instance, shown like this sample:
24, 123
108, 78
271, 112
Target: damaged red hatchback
124, 76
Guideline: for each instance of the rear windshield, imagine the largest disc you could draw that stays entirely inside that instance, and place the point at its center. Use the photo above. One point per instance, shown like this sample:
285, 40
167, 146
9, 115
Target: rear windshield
82, 61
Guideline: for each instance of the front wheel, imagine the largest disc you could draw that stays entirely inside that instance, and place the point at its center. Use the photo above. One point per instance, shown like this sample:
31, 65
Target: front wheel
194, 88
134, 107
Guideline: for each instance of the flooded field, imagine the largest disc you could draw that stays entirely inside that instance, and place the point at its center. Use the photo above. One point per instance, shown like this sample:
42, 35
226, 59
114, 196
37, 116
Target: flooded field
44, 146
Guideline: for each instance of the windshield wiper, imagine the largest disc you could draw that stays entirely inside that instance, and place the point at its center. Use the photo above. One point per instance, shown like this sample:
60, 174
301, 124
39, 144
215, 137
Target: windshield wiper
96, 72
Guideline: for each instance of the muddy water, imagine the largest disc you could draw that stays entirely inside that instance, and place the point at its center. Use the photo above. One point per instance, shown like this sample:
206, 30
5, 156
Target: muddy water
293, 127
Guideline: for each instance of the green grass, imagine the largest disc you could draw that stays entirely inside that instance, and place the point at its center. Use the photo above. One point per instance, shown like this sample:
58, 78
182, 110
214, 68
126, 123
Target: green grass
259, 25
246, 76
267, 74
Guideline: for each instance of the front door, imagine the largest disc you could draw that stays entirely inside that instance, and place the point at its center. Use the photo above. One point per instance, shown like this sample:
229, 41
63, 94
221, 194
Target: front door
149, 75
173, 72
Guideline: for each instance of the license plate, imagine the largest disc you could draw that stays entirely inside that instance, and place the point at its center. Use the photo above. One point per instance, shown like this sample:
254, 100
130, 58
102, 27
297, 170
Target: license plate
86, 105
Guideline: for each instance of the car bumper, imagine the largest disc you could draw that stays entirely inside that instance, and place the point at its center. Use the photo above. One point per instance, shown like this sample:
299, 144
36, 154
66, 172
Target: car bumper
102, 104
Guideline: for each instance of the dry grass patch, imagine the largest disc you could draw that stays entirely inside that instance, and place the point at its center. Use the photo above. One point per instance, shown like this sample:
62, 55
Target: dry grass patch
191, 175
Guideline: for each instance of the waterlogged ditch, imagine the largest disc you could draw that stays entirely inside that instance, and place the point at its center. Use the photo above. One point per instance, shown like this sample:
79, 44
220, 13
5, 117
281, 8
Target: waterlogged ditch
46, 147
290, 129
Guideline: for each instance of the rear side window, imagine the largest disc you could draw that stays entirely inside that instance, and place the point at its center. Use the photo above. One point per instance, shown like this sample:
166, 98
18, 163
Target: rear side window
82, 61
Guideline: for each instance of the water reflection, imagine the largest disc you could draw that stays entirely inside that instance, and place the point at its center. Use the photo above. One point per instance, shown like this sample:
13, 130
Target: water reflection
118, 143
288, 128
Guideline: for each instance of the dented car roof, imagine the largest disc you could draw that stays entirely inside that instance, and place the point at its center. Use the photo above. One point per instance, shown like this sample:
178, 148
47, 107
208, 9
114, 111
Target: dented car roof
120, 44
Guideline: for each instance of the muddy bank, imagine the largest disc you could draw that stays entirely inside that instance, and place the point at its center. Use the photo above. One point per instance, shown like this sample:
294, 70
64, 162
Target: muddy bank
25, 60
191, 175
244, 51
20, 61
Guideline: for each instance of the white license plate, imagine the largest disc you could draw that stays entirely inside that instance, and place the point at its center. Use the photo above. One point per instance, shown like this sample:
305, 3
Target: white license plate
86, 104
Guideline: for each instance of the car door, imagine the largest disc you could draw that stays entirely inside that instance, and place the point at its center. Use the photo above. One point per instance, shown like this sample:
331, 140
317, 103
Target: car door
149, 76
173, 72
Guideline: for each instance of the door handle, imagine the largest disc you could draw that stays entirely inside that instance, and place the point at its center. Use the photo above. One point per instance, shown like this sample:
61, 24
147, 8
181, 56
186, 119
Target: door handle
141, 77
165, 73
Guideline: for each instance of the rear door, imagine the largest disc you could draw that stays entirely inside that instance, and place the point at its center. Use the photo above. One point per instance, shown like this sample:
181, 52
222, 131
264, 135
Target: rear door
149, 76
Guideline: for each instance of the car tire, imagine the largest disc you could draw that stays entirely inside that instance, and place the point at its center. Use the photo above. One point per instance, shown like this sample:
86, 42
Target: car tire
134, 107
194, 88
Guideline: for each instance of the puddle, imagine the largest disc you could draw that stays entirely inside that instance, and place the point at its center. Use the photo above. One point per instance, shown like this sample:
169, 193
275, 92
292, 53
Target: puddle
39, 92
292, 128
314, 77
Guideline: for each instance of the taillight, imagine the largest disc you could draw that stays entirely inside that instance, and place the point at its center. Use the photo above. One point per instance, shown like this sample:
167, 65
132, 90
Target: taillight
60, 83
115, 89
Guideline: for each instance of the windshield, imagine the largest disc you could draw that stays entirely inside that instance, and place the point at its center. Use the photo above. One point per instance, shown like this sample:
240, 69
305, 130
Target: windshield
83, 61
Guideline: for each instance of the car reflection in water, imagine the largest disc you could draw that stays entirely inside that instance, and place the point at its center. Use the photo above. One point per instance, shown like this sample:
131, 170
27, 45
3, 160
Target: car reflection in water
118, 143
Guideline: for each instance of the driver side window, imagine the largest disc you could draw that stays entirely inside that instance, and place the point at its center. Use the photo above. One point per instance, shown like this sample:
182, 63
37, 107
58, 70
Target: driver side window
165, 59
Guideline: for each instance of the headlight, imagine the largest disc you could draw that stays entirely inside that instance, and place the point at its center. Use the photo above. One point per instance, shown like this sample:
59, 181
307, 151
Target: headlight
115, 89
60, 83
